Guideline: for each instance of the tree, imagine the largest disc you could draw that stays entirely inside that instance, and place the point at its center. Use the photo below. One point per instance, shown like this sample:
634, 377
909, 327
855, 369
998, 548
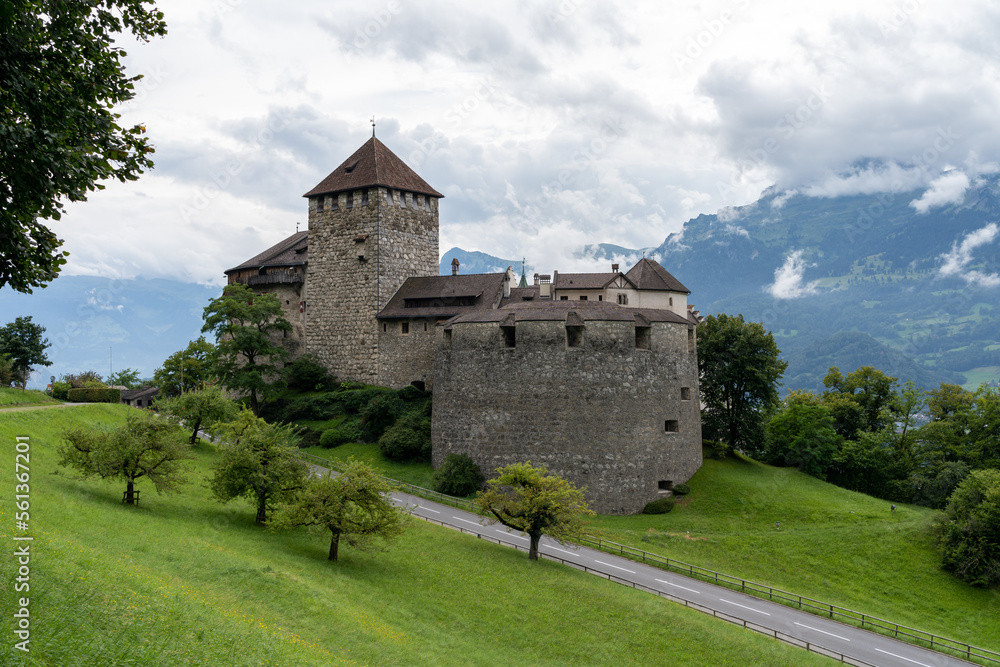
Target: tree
7, 374
970, 535
61, 76
459, 476
258, 463
534, 501
802, 435
144, 446
739, 372
187, 369
196, 408
84, 379
353, 505
245, 325
21, 341
871, 390
126, 377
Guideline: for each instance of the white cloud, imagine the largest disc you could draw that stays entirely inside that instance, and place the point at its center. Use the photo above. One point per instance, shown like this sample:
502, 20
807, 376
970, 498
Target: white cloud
956, 261
947, 189
788, 280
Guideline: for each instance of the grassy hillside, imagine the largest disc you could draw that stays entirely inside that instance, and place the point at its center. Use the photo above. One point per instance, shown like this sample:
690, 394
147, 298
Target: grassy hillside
834, 545
10, 397
183, 580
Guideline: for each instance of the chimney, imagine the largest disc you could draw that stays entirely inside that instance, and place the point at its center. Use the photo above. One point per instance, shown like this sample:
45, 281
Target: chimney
536, 278
614, 268
454, 266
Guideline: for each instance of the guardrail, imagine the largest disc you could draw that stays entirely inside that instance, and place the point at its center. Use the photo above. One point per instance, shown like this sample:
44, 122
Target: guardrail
801, 602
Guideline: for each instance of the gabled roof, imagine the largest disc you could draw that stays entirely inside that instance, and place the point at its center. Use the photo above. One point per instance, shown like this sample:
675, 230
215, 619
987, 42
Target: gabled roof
439, 296
649, 275
583, 280
371, 165
292, 251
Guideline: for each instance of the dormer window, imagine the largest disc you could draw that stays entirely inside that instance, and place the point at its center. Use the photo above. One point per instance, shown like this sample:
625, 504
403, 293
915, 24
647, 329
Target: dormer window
348, 169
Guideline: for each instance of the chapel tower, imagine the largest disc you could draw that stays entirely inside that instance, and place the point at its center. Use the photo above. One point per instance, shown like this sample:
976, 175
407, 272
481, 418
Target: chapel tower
373, 222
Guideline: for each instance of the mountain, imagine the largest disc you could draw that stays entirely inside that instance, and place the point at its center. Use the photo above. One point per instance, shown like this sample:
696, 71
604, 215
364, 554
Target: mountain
99, 323
852, 280
471, 261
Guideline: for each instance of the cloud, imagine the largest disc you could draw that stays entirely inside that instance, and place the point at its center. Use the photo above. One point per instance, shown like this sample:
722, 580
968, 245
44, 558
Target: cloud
956, 261
788, 280
948, 189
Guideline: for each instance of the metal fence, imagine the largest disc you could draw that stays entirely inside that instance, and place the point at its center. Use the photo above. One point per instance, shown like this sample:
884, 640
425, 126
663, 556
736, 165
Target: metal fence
817, 607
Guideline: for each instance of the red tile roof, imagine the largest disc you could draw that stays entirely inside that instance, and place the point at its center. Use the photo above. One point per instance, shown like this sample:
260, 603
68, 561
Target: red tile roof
372, 165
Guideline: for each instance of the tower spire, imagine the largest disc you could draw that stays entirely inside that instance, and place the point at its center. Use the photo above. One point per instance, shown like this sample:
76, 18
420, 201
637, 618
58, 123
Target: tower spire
373, 126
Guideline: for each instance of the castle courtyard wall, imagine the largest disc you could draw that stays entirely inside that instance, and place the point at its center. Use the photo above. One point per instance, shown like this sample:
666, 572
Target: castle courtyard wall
596, 415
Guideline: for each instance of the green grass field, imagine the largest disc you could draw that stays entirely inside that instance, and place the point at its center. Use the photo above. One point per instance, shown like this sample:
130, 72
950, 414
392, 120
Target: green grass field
418, 474
834, 545
977, 376
183, 580
15, 397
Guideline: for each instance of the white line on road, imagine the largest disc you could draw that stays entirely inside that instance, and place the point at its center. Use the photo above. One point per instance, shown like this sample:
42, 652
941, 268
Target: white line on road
614, 566
745, 607
809, 627
516, 537
562, 550
668, 583
428, 509
467, 521
902, 658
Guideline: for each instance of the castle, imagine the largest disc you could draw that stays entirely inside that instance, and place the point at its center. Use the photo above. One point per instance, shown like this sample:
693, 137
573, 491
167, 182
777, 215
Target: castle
594, 375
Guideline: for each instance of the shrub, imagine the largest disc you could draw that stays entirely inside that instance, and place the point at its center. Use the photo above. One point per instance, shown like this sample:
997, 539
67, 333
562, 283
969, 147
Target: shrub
94, 395
59, 390
661, 506
307, 374
410, 393
719, 450
337, 436
681, 489
311, 407
458, 476
378, 415
350, 386
310, 437
356, 400
409, 439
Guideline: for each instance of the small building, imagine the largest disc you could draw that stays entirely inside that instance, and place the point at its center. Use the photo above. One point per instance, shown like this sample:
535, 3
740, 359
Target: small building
140, 398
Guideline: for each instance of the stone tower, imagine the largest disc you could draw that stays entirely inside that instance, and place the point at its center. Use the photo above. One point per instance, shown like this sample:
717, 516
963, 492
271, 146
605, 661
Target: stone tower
373, 222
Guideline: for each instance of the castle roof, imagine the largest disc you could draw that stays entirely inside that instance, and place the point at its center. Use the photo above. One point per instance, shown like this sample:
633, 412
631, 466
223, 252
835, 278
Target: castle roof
649, 275
570, 311
373, 165
582, 280
292, 251
444, 296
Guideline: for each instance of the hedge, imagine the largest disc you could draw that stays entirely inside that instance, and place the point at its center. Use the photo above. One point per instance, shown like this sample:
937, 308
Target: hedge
94, 395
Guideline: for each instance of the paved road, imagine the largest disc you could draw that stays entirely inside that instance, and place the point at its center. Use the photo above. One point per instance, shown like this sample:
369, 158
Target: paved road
860, 646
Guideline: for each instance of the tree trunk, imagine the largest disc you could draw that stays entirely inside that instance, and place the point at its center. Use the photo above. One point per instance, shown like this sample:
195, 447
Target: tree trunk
334, 543
533, 549
261, 509
194, 432
130, 493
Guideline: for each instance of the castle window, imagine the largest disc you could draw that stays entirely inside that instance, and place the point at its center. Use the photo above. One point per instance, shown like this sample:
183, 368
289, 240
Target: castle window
622, 299
574, 337
334, 202
425, 326
404, 328
447, 339
509, 338
670, 426
642, 338
691, 339
320, 202
364, 198
583, 297
671, 301
564, 298
685, 393
385, 327
665, 485
600, 297
350, 200
388, 196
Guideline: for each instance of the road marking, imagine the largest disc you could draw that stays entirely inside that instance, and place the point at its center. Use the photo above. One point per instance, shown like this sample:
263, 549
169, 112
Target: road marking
467, 521
902, 658
428, 509
678, 586
516, 537
745, 607
614, 566
809, 627
562, 550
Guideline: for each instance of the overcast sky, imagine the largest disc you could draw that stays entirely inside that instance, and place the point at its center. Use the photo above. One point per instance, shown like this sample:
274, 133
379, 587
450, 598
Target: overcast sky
547, 125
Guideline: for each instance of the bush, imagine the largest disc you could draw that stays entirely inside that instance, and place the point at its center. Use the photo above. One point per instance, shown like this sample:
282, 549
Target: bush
681, 489
355, 401
719, 450
320, 408
411, 393
307, 374
378, 415
661, 506
94, 395
310, 437
337, 436
409, 439
350, 386
458, 476
59, 390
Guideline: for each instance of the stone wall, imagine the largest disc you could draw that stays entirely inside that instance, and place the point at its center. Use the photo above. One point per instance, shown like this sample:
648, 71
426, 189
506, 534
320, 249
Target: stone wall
409, 357
598, 415
362, 246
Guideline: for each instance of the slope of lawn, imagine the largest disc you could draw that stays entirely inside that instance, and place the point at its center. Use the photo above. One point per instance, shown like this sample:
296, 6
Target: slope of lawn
183, 580
418, 474
834, 545
12, 397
